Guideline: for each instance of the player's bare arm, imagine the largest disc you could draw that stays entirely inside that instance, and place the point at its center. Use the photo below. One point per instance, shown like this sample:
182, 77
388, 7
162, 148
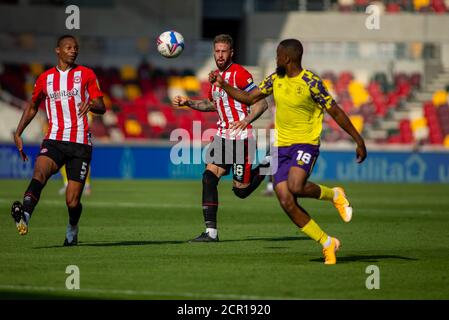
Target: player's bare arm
95, 105
204, 105
27, 116
343, 121
256, 111
249, 98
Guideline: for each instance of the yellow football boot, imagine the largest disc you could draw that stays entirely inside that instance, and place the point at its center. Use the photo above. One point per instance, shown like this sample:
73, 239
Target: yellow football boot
342, 204
329, 252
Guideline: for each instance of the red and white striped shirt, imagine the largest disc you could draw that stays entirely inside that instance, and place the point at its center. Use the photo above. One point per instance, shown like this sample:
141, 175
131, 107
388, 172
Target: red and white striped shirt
229, 109
64, 92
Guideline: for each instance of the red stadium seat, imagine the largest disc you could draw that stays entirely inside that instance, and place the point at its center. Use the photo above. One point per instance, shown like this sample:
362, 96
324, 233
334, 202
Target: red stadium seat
393, 8
438, 6
394, 139
405, 131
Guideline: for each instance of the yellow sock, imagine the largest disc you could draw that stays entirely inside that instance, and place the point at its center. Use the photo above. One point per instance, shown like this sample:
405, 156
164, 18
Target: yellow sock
313, 230
326, 193
64, 175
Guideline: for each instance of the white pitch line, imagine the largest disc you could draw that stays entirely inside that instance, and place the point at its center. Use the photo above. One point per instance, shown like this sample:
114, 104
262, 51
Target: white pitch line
142, 293
103, 204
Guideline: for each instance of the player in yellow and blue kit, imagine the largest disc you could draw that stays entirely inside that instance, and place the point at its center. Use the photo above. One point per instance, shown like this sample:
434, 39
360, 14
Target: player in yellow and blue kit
301, 100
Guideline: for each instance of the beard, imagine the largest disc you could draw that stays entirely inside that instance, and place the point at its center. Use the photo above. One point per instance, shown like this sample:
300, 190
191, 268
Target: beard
281, 71
222, 65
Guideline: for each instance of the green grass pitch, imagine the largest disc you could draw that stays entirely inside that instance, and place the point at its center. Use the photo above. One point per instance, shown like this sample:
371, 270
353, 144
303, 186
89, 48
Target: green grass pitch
133, 245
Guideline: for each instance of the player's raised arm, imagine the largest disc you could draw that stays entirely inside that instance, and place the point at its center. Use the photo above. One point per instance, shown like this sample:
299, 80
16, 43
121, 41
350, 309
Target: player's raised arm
204, 105
343, 121
248, 98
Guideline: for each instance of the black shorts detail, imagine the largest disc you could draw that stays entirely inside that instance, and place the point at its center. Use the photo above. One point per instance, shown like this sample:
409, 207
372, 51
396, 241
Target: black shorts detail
235, 154
75, 156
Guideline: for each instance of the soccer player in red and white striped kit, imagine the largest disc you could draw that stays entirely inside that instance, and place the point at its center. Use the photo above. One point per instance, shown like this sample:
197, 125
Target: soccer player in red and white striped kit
233, 145
69, 92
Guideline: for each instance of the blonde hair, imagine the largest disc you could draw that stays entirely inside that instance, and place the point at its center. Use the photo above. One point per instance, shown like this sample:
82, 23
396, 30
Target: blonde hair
224, 38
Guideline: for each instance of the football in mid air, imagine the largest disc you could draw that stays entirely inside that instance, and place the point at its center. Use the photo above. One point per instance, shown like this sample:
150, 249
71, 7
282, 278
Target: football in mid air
170, 44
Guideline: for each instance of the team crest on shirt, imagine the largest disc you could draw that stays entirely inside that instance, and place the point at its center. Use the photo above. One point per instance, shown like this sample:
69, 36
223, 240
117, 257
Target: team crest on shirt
77, 79
44, 150
299, 90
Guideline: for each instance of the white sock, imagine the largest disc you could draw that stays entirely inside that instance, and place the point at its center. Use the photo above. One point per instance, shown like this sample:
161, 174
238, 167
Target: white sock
328, 242
212, 232
270, 186
27, 217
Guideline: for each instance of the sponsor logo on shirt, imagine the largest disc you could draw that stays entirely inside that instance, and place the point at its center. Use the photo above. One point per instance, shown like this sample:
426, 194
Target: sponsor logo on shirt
58, 95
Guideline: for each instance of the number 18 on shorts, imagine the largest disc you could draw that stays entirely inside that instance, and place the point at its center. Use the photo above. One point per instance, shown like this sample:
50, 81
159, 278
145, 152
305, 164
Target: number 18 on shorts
303, 156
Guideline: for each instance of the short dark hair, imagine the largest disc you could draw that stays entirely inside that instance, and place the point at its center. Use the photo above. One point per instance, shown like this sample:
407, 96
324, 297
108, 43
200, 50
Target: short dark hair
293, 48
65, 36
224, 38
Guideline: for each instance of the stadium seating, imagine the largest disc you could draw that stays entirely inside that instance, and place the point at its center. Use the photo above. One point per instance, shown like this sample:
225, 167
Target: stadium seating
395, 6
138, 104
375, 105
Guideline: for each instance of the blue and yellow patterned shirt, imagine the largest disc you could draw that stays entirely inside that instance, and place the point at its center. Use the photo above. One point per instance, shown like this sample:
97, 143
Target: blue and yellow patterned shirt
300, 103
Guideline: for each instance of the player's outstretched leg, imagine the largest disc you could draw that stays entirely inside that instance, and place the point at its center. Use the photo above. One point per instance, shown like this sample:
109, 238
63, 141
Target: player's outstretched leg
307, 225
255, 180
21, 213
336, 195
210, 207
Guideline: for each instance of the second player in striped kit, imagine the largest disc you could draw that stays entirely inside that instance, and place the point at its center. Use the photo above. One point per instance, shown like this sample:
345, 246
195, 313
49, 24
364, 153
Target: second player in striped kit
233, 146
69, 92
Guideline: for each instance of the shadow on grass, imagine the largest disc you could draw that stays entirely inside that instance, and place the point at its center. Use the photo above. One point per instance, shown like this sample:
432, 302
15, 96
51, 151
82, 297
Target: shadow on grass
162, 242
367, 258
114, 244
267, 239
